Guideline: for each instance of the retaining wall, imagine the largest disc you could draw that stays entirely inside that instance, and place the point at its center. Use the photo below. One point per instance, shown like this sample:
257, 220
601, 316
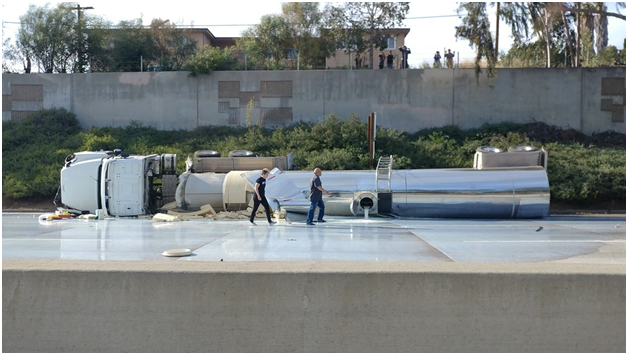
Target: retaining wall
175, 306
586, 99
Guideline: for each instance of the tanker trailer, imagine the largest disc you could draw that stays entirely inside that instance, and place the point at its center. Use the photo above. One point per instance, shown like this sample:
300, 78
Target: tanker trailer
514, 191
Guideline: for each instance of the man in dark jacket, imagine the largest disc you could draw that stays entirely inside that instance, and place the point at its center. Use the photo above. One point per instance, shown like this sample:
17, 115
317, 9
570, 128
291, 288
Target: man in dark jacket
316, 198
404, 57
260, 198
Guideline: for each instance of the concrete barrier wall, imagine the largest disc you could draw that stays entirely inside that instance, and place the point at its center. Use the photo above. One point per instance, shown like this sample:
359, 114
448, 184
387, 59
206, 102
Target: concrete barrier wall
587, 99
111, 306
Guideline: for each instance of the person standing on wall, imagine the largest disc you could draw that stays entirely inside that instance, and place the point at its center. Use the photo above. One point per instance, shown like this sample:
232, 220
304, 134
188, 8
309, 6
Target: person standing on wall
389, 60
358, 61
437, 60
382, 58
449, 59
404, 57
260, 198
316, 198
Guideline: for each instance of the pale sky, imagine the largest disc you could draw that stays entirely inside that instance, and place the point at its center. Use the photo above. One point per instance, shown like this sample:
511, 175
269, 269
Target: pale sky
432, 26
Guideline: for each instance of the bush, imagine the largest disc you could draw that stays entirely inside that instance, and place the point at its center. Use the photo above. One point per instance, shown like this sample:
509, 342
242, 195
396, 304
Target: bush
52, 125
579, 175
208, 59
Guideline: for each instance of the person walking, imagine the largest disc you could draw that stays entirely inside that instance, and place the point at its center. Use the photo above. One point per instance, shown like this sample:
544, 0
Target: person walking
316, 198
260, 198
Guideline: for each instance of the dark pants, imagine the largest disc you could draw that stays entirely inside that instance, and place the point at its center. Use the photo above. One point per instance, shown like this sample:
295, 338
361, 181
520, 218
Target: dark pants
256, 204
321, 211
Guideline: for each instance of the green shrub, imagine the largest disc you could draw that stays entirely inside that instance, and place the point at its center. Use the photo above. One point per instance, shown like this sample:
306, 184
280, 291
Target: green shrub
581, 175
92, 142
52, 125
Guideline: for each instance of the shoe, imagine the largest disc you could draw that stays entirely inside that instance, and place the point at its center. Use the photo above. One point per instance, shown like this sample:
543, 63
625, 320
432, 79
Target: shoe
253, 223
321, 221
272, 222
310, 223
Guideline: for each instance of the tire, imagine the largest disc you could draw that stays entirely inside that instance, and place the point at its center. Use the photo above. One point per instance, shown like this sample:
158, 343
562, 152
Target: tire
206, 154
488, 150
241, 153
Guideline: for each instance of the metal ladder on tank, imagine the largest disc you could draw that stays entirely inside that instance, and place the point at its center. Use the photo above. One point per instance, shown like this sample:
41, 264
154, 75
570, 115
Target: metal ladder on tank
383, 174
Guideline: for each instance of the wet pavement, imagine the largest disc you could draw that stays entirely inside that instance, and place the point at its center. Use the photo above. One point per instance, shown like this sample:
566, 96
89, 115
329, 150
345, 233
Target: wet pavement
563, 238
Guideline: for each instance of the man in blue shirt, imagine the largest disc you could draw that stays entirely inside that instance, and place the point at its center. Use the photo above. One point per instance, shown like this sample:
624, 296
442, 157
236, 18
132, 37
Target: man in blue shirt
437, 60
316, 198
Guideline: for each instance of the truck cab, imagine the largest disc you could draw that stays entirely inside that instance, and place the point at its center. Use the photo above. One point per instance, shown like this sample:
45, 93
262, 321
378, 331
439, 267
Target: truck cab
118, 183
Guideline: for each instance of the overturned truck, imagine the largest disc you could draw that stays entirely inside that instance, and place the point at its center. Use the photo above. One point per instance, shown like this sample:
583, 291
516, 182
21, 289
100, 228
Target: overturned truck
501, 184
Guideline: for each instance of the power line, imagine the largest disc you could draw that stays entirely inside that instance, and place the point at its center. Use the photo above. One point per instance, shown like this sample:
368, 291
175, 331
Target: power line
437, 16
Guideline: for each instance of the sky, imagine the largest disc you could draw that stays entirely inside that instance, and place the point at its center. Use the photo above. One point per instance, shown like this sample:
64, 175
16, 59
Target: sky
432, 24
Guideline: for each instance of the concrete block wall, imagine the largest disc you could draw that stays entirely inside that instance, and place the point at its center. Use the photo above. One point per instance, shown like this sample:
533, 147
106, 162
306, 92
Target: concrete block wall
586, 99
177, 306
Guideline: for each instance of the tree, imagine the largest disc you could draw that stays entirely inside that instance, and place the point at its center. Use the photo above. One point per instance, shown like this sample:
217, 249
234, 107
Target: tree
266, 45
209, 59
98, 44
45, 37
57, 40
11, 58
601, 28
131, 44
588, 52
339, 35
524, 18
525, 55
174, 47
598, 10
362, 25
305, 21
476, 27
559, 26
570, 43
607, 57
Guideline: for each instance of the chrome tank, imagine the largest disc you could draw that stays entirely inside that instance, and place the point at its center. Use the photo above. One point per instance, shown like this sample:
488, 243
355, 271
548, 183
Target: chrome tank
436, 193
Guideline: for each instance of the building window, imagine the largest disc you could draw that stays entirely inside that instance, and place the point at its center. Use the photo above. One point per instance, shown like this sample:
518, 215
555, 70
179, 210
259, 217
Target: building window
346, 46
391, 42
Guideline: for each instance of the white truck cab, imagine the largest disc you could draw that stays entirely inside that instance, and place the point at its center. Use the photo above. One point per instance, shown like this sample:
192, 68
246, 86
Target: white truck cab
118, 183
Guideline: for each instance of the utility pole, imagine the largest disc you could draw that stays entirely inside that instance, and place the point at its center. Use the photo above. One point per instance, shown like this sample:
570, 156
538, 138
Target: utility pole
79, 31
578, 38
497, 33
